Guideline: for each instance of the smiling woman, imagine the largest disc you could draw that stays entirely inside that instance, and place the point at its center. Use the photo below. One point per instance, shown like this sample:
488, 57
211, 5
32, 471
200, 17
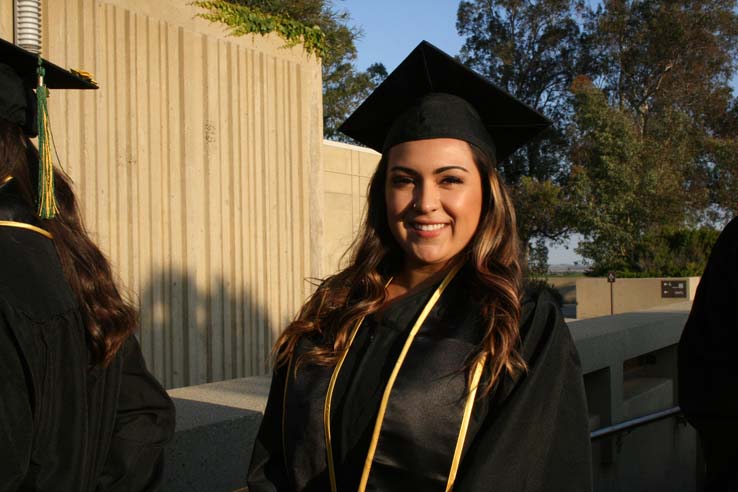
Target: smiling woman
424, 364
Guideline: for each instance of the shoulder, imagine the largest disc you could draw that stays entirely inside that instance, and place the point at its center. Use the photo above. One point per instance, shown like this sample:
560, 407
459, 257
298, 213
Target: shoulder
727, 242
542, 326
31, 276
731, 230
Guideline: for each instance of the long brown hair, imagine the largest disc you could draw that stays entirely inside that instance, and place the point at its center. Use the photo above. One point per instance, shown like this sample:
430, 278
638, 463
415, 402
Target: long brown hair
342, 299
109, 319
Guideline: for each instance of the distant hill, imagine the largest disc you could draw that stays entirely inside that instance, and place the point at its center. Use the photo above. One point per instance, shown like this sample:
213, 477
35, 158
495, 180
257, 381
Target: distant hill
565, 268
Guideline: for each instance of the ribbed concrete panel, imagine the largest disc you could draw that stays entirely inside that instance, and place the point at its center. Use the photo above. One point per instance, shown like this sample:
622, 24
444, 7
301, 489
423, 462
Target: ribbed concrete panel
194, 163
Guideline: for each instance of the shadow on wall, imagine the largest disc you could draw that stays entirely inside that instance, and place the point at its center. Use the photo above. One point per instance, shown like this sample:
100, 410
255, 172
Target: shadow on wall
197, 329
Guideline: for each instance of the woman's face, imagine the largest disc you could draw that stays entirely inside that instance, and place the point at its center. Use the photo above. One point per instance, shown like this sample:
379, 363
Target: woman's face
434, 199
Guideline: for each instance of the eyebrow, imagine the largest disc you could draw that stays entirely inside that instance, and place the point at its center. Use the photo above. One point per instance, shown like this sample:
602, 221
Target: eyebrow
435, 171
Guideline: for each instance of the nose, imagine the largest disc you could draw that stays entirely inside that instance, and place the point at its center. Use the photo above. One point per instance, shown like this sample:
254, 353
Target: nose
426, 198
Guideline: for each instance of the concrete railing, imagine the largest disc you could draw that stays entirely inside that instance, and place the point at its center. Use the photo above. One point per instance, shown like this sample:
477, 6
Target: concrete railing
629, 362
630, 365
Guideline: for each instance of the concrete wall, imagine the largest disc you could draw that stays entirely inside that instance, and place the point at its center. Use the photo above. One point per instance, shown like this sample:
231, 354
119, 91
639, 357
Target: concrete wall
347, 169
629, 294
196, 164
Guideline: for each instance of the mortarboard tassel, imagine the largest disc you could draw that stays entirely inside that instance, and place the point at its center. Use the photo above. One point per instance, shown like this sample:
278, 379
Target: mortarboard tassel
47, 208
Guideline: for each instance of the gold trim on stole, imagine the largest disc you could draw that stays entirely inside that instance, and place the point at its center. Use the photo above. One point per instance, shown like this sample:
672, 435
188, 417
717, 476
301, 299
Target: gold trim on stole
476, 376
29, 227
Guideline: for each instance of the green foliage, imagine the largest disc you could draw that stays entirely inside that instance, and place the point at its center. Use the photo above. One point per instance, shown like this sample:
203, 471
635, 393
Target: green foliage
543, 209
654, 141
668, 253
530, 48
324, 31
538, 259
243, 19
647, 147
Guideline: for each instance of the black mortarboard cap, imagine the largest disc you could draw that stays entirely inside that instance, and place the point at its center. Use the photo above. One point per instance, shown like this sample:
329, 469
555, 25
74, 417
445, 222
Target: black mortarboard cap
18, 78
432, 95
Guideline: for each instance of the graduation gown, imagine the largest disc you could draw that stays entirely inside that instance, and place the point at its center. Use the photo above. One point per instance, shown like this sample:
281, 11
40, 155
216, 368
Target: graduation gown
708, 367
66, 427
528, 435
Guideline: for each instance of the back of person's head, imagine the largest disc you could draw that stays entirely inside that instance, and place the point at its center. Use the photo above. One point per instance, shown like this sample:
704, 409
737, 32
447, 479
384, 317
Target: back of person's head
109, 319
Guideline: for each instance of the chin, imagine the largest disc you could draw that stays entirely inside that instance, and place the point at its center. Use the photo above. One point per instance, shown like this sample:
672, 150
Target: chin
430, 260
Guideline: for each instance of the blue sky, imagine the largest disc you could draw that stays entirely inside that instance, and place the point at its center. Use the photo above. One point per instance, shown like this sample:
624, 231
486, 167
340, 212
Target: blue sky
393, 28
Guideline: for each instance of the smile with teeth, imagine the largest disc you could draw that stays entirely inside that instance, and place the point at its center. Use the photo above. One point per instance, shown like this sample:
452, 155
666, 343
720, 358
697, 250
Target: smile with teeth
428, 227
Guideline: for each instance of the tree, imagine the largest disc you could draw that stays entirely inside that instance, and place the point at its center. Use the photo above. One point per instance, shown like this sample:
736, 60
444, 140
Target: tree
324, 30
654, 136
646, 138
531, 49
623, 186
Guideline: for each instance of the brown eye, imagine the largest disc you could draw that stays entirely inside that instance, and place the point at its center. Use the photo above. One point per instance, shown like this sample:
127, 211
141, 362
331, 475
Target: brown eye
401, 180
451, 180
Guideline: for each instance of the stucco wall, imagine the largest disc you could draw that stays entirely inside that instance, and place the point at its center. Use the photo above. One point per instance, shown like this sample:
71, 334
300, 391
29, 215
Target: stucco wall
196, 164
628, 294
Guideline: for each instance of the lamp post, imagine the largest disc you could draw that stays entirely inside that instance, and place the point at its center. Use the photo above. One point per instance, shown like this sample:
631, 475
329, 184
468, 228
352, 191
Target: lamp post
28, 25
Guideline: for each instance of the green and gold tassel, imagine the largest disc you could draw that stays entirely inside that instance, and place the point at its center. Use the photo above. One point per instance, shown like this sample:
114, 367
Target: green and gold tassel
47, 208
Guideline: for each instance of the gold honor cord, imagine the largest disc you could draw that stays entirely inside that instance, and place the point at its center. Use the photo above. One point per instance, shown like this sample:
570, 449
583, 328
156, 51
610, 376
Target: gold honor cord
29, 227
6, 180
476, 376
393, 376
329, 399
327, 407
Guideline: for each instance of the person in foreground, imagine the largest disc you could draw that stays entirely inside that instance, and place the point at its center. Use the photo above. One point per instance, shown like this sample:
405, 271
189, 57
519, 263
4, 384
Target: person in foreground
423, 365
708, 368
79, 411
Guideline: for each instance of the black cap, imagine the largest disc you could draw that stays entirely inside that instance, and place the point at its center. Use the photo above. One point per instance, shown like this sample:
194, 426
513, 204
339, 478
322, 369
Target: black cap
432, 95
18, 78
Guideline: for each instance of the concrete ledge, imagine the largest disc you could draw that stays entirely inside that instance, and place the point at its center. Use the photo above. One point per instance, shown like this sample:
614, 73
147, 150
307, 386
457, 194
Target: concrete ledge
216, 429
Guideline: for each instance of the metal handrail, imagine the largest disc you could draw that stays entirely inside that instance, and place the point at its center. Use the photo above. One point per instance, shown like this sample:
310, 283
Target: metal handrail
633, 423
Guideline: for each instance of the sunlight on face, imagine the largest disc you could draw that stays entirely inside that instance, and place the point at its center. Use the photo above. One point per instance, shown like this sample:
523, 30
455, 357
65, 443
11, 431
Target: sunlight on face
434, 199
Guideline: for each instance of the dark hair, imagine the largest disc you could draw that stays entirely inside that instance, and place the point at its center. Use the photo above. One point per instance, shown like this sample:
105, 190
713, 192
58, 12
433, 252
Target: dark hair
109, 319
359, 289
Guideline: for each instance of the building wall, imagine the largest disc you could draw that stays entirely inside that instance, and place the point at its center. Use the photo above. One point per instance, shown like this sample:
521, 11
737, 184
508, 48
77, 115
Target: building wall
347, 169
195, 163
628, 294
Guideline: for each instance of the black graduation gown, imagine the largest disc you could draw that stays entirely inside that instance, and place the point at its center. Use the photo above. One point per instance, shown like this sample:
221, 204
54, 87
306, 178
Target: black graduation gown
708, 366
63, 426
527, 435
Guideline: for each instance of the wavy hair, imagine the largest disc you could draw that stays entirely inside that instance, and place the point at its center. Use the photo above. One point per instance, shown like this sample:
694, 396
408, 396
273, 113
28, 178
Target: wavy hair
109, 319
330, 313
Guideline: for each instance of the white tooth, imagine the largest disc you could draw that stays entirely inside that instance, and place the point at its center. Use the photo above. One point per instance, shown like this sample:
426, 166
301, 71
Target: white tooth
429, 227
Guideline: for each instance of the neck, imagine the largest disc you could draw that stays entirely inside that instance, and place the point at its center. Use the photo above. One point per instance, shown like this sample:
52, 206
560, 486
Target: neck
411, 278
414, 277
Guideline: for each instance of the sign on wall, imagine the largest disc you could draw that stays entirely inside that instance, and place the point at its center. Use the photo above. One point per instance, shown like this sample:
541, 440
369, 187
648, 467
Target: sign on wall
673, 288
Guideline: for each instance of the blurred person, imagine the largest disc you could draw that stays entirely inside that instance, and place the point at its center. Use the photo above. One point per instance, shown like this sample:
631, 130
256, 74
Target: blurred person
708, 367
79, 411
